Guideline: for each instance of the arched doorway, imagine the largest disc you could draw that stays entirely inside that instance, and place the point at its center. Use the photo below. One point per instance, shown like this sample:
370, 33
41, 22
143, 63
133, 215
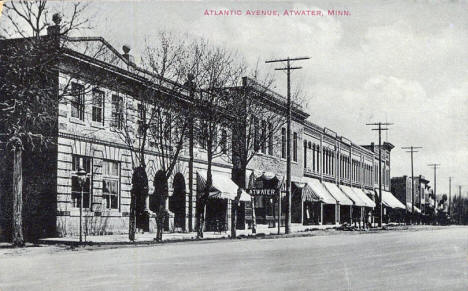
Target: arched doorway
177, 201
158, 199
140, 188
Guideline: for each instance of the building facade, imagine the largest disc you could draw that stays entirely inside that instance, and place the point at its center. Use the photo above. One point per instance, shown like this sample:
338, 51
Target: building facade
97, 128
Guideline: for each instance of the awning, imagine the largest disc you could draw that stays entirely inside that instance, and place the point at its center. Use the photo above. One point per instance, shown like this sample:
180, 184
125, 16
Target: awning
319, 190
223, 187
389, 200
338, 194
307, 193
265, 184
369, 202
353, 196
409, 208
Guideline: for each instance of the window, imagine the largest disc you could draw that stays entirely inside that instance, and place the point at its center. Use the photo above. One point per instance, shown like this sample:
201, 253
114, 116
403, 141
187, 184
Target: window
117, 112
223, 141
98, 106
305, 154
167, 128
270, 138
77, 101
256, 127
295, 147
283, 143
141, 119
86, 164
263, 137
110, 184
313, 157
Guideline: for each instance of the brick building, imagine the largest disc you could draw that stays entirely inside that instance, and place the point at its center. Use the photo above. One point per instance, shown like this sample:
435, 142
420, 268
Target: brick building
401, 187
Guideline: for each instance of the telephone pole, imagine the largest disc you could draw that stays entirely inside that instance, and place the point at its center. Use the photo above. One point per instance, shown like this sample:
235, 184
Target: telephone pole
450, 197
459, 204
435, 166
380, 127
288, 70
412, 149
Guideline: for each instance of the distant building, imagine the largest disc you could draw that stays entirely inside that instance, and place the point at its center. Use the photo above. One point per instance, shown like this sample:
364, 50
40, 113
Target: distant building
401, 188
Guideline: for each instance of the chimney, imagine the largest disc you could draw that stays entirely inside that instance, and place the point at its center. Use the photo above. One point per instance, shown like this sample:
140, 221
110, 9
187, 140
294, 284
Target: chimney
126, 55
55, 29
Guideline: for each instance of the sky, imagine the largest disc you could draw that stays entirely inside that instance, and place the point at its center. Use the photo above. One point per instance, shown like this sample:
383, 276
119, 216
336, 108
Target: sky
404, 62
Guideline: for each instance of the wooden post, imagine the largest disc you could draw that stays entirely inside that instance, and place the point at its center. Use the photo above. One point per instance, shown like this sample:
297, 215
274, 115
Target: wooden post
321, 213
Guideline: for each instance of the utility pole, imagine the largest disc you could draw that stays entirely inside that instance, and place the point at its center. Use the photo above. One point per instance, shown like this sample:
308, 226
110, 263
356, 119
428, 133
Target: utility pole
381, 126
450, 197
288, 70
459, 205
412, 149
435, 166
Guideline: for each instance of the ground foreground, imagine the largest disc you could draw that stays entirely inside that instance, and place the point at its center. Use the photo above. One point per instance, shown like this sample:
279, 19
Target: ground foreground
397, 260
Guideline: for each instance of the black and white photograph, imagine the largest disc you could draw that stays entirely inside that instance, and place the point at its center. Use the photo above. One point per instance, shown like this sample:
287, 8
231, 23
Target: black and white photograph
233, 145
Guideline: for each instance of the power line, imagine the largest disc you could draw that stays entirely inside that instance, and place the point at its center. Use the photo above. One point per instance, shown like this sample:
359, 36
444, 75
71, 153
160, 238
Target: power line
288, 70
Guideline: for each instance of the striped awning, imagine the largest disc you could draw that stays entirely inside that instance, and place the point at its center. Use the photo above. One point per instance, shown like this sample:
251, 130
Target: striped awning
223, 187
320, 190
308, 193
257, 181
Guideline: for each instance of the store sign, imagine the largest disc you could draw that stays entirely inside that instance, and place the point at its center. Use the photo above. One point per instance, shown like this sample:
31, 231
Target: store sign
263, 192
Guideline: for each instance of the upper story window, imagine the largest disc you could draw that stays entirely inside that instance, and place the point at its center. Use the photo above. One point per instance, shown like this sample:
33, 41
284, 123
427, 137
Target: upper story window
141, 123
110, 184
117, 112
295, 147
98, 106
223, 141
256, 133
86, 164
270, 138
305, 154
283, 143
77, 101
264, 135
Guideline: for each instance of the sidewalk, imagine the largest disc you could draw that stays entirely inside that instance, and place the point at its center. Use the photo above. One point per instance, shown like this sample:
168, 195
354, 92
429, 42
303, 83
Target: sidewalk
148, 238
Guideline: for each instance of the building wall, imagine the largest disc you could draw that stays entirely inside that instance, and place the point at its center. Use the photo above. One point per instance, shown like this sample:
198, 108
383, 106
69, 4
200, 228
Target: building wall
101, 142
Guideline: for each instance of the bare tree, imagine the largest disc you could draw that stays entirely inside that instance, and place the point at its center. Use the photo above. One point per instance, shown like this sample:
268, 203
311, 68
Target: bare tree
214, 69
158, 122
258, 119
28, 82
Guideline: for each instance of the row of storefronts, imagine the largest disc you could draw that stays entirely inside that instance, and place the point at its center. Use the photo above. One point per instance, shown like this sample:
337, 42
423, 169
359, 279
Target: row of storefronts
334, 180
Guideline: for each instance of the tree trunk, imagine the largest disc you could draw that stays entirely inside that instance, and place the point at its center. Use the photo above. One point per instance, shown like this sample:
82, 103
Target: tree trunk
132, 218
235, 202
254, 217
209, 183
17, 233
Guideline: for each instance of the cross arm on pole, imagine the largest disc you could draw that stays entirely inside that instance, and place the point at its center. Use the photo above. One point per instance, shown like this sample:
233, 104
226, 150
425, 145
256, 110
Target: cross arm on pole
287, 59
286, 69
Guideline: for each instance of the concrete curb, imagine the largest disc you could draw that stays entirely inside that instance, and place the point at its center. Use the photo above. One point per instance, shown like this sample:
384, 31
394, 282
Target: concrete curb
307, 233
